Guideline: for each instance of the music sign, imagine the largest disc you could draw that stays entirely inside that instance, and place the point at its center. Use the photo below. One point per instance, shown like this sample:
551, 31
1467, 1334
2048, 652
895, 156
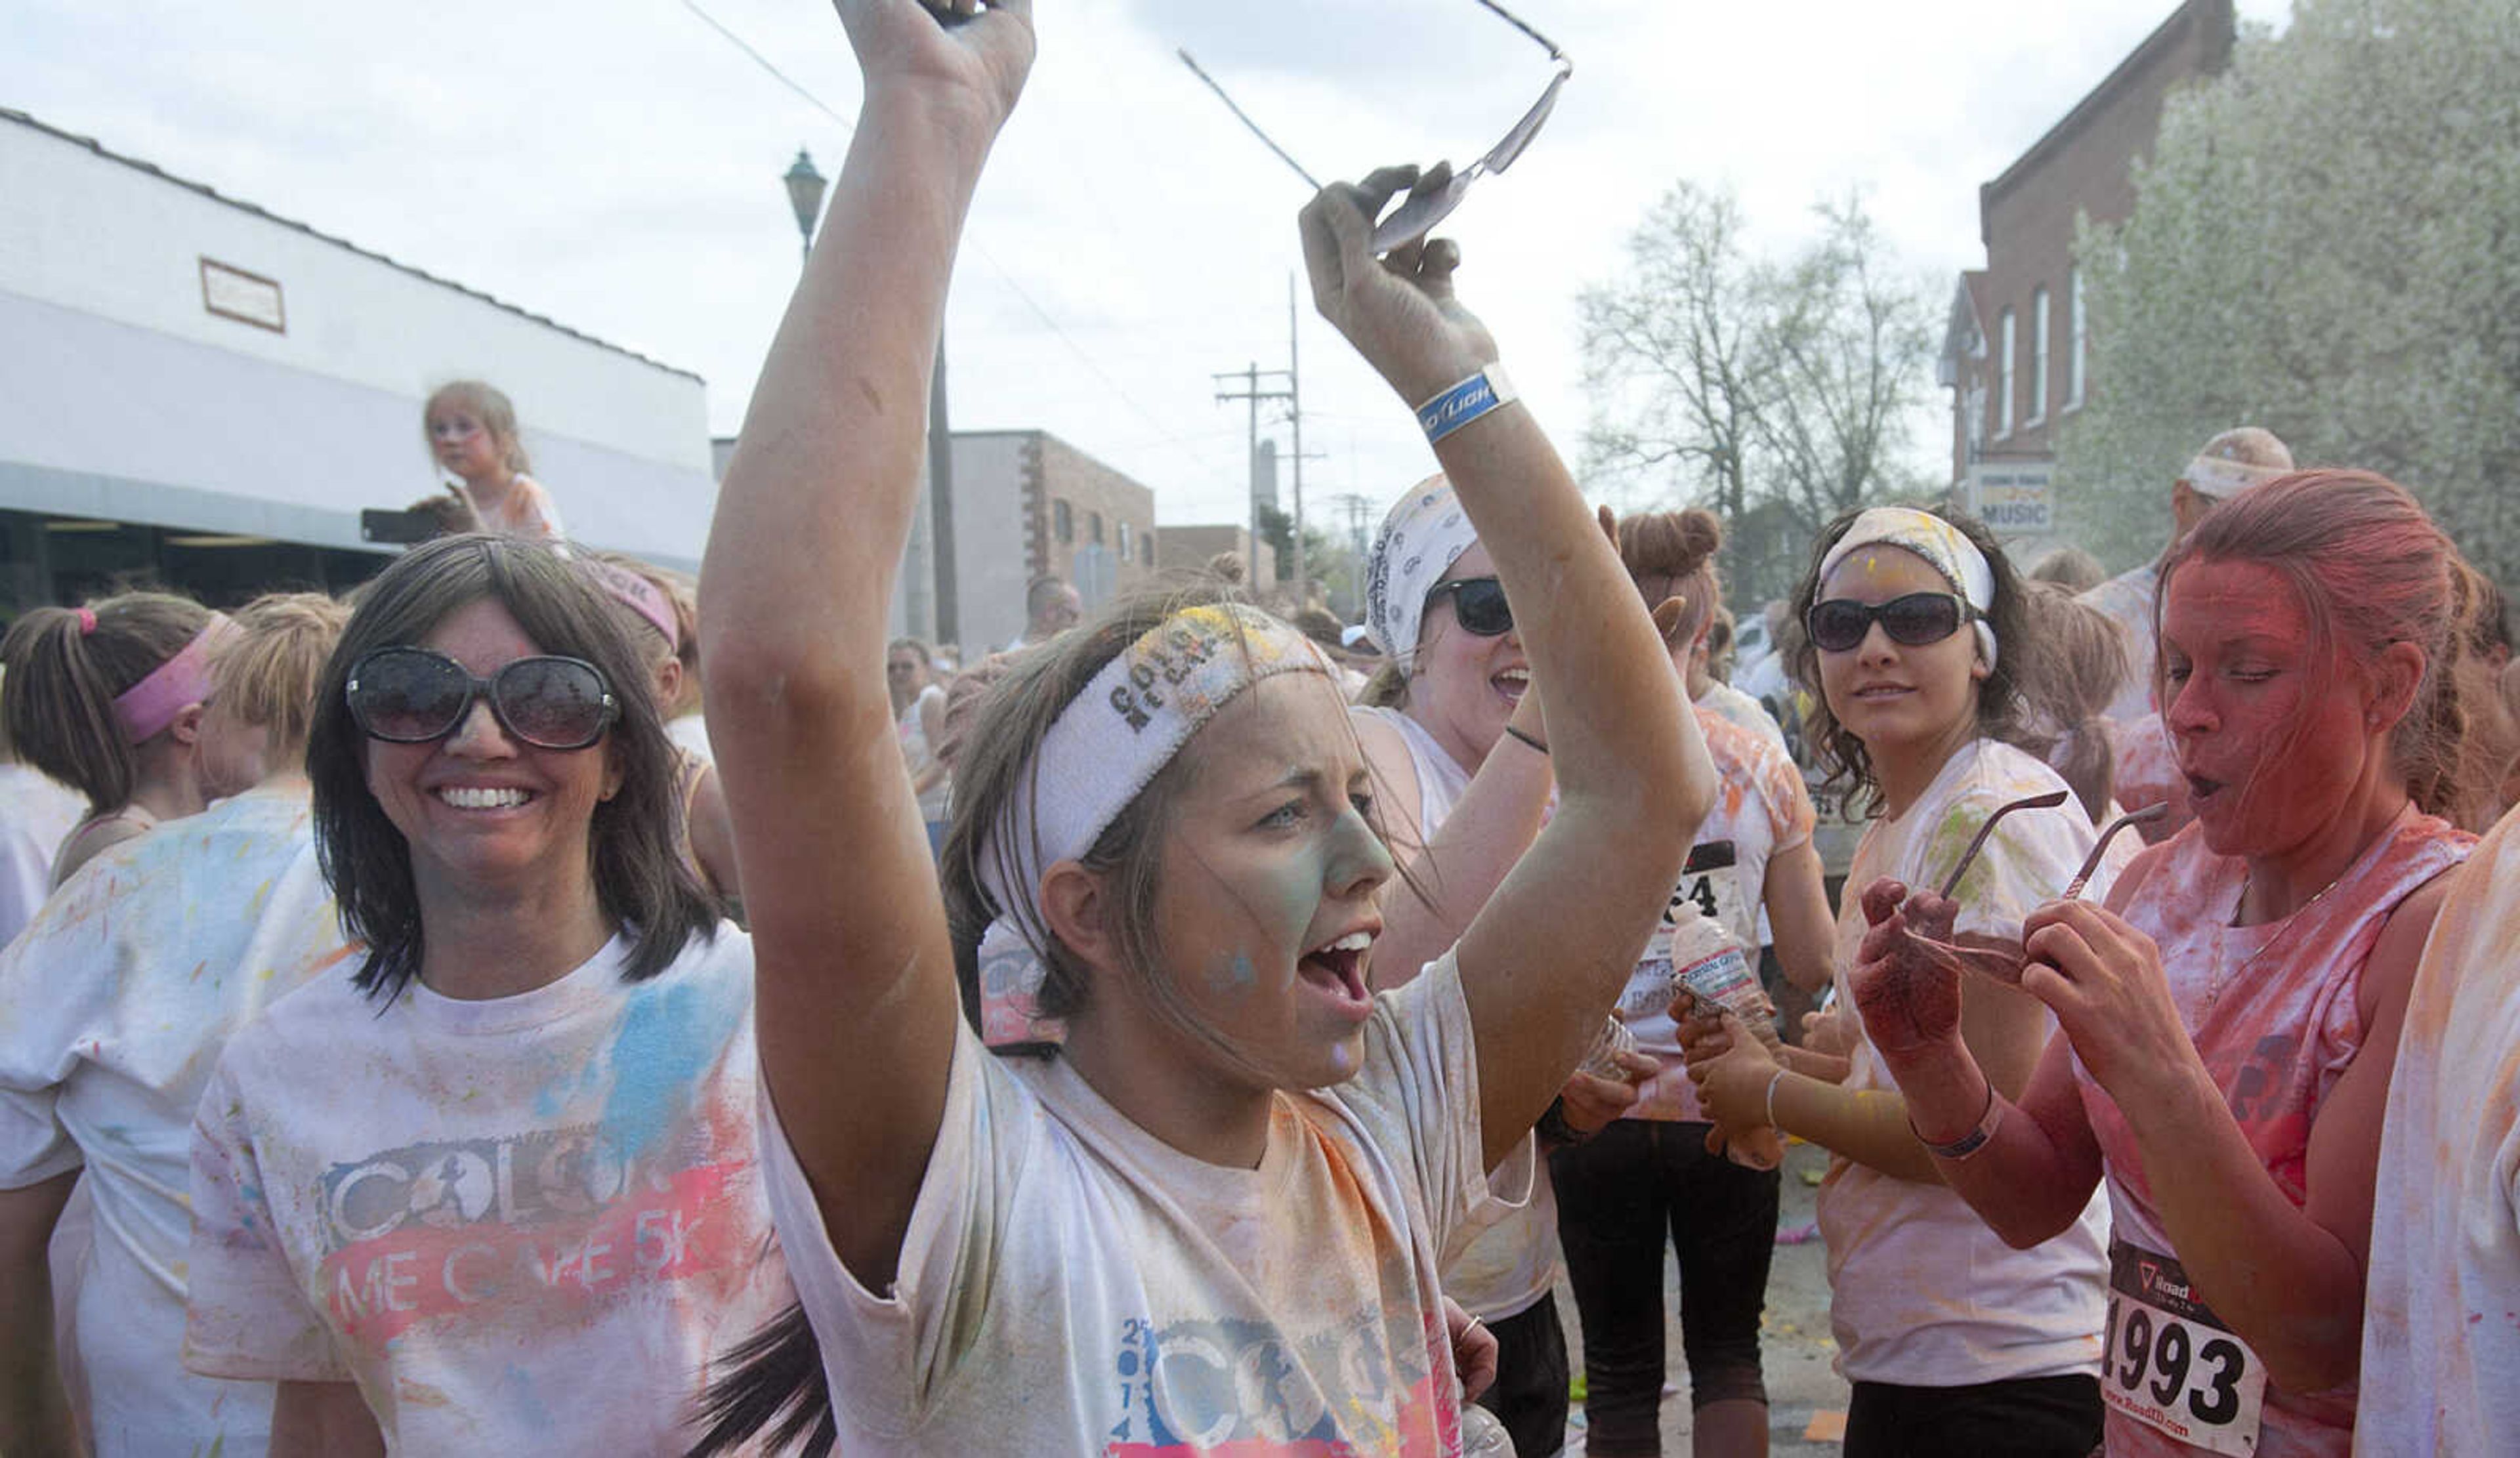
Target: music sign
2013, 498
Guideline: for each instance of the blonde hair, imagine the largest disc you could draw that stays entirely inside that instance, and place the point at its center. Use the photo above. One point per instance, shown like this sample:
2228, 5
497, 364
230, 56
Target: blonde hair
489, 405
268, 671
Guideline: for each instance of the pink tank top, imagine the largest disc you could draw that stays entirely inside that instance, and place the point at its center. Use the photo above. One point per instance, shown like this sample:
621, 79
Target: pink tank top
2274, 1011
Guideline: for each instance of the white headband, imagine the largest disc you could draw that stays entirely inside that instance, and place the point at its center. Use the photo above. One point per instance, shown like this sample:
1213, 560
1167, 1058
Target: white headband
2222, 478
1422, 534
1101, 752
1942, 546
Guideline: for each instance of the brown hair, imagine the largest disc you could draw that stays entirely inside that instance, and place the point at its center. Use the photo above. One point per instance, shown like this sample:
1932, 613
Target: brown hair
1672, 553
491, 406
2071, 569
2088, 655
2370, 571
63, 678
266, 673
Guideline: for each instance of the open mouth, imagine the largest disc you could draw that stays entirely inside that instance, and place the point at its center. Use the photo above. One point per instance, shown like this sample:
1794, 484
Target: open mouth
1877, 691
483, 797
2200, 790
1340, 968
1513, 682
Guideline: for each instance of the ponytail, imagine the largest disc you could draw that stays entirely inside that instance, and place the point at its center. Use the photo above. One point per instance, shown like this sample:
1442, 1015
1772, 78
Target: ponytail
65, 666
774, 1396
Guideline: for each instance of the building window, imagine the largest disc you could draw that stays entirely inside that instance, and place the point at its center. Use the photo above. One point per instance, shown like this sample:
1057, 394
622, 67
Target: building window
2003, 376
1062, 521
2074, 336
1094, 524
2038, 354
1124, 540
1147, 548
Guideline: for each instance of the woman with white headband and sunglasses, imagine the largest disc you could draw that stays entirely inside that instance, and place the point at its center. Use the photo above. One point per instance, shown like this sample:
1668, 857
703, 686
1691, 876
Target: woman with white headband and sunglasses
489, 1187
1954, 1342
1211, 1220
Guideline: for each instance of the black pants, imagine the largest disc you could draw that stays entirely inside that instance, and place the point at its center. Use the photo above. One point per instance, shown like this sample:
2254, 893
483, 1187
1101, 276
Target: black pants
1529, 1393
1619, 1195
2033, 1417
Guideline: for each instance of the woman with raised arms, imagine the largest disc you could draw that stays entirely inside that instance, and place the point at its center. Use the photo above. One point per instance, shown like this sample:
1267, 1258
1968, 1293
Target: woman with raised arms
2230, 1017
1211, 1219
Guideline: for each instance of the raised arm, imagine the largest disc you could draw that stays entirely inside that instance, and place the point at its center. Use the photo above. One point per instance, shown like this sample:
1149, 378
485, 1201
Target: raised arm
1543, 961
856, 1003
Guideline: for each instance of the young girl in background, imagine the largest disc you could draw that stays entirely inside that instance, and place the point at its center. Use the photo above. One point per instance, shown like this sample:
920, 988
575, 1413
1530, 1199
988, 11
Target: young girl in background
472, 436
1916, 632
657, 621
2228, 1021
108, 699
120, 994
1212, 1219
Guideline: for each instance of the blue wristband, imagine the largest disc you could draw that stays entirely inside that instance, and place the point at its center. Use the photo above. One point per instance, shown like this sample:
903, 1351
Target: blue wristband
1483, 392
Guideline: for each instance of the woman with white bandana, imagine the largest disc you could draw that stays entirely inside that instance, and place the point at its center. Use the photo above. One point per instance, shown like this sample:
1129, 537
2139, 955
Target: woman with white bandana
1209, 1222
1953, 1342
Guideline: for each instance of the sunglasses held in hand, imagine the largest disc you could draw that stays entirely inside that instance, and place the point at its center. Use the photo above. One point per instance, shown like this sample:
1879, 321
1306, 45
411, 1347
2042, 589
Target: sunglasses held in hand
408, 695
1418, 212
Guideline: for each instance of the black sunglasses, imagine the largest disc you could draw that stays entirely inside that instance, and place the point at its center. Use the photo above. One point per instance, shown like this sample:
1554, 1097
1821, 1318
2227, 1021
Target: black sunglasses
1478, 604
1916, 620
405, 695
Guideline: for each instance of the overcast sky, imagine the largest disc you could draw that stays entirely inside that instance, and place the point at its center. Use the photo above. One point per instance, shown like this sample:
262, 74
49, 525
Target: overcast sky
616, 168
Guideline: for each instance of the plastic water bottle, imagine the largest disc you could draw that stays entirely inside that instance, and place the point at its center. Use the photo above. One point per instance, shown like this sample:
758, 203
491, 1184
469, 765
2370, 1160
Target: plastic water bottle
1483, 1434
1706, 960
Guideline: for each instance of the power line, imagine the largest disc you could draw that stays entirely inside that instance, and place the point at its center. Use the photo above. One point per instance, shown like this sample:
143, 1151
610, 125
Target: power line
1005, 276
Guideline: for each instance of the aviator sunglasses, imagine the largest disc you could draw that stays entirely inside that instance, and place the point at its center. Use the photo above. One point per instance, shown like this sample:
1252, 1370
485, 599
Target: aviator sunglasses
1916, 620
1478, 604
407, 695
1417, 213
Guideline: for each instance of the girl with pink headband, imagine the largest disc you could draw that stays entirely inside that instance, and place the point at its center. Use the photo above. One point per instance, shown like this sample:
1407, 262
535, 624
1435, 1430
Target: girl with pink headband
108, 700
1210, 1221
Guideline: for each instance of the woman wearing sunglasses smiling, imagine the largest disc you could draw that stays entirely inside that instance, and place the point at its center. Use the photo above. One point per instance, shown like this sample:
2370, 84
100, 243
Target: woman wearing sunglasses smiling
1919, 639
492, 1187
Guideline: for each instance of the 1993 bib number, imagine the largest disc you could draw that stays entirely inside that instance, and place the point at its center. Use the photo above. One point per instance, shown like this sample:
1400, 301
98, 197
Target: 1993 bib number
2166, 1361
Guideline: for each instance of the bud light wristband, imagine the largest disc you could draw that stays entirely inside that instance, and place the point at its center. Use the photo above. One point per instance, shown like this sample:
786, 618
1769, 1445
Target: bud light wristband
1482, 393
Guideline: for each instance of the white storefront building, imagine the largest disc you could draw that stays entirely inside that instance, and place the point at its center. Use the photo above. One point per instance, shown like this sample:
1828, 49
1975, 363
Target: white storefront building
195, 388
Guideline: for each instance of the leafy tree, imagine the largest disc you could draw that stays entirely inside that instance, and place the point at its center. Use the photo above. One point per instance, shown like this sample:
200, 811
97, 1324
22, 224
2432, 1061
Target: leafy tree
1779, 391
2325, 243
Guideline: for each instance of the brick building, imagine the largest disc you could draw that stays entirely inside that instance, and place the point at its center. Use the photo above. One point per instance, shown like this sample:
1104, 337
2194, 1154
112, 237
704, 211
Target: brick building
1189, 547
2015, 347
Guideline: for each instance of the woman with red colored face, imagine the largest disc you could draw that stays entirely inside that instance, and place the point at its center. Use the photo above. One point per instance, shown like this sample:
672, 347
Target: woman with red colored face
2229, 1020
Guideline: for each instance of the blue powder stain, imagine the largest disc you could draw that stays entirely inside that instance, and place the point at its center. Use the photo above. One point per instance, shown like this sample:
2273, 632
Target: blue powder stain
1242, 973
667, 1038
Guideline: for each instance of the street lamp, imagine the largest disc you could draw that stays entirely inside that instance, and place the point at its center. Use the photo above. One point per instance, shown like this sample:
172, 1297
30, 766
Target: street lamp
805, 195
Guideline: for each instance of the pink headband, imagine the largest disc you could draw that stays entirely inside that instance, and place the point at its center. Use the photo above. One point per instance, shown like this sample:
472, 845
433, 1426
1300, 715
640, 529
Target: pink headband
640, 596
146, 708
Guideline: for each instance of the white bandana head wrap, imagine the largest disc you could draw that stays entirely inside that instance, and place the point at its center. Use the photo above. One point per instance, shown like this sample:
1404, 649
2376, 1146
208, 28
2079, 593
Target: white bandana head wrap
1941, 544
1101, 752
2235, 460
1422, 535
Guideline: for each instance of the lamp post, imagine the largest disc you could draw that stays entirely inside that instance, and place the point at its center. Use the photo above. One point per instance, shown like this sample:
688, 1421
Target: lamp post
805, 195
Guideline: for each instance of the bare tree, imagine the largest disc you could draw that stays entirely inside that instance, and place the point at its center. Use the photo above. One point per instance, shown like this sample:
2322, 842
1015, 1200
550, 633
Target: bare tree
1757, 385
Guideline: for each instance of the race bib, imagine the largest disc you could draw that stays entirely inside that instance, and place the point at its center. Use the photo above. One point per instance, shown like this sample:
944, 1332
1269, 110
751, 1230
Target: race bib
2168, 1361
1712, 885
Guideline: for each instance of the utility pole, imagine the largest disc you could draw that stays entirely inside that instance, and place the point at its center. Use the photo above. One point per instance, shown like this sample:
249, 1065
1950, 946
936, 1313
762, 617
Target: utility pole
1251, 393
1295, 413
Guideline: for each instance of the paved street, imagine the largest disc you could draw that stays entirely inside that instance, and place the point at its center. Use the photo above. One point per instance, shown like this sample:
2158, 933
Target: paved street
1801, 1383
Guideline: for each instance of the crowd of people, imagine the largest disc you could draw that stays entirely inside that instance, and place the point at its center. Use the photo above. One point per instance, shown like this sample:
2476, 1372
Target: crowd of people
547, 1004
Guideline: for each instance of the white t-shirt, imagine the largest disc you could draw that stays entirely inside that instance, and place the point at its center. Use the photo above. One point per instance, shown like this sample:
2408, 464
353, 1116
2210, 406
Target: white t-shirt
1071, 1284
2127, 601
1736, 707
1761, 811
526, 1225
2441, 1321
690, 733
113, 1007
1921, 1292
921, 754
36, 815
1504, 1267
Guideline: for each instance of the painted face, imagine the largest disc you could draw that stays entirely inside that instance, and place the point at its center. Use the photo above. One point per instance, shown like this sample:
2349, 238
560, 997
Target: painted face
480, 807
2268, 753
1900, 699
1462, 688
1266, 903
235, 754
462, 444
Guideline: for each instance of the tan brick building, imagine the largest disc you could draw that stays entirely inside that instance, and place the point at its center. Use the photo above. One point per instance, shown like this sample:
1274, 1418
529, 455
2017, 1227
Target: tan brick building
2014, 349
